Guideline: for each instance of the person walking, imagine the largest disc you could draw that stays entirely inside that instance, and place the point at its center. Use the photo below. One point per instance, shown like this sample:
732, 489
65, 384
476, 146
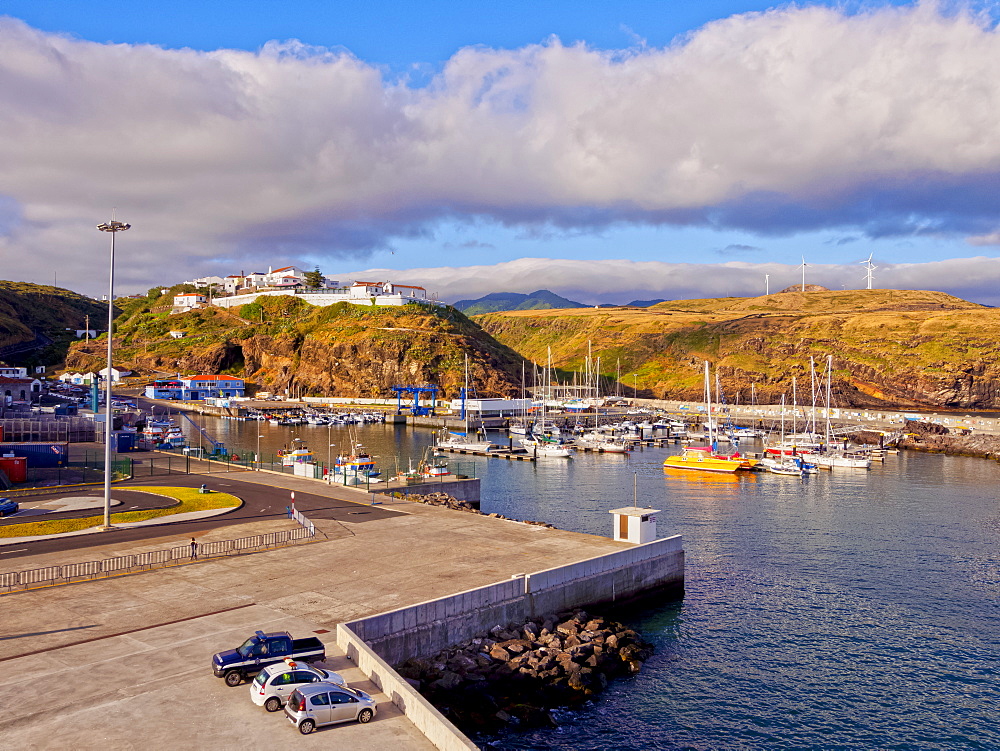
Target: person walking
194, 550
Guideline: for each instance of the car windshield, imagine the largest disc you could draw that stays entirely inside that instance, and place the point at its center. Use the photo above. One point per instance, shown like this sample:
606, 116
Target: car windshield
244, 649
259, 680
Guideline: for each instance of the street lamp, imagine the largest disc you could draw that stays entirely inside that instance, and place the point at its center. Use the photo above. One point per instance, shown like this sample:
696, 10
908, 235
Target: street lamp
114, 227
259, 436
329, 463
635, 390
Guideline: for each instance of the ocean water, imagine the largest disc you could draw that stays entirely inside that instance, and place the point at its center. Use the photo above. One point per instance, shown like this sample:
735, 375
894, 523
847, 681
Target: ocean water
846, 610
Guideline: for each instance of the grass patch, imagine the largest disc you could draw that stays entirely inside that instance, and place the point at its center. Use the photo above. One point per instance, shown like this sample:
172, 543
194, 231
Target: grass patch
188, 499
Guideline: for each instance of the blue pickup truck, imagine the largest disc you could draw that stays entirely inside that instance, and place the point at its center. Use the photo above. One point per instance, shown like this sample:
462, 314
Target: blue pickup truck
261, 650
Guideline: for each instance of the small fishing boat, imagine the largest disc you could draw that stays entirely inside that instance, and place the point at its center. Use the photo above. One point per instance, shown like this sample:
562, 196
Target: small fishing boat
300, 455
451, 440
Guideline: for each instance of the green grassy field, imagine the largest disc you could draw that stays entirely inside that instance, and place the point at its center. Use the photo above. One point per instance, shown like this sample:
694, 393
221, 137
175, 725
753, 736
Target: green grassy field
188, 499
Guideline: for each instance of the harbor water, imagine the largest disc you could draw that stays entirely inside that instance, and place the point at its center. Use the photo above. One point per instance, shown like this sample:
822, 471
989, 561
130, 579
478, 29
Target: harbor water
850, 609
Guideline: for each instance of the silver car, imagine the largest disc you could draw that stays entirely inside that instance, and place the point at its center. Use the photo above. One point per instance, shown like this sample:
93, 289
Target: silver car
318, 704
275, 683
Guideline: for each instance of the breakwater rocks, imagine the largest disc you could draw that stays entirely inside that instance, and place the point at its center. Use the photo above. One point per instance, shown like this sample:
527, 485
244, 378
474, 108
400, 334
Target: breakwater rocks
935, 438
443, 499
517, 675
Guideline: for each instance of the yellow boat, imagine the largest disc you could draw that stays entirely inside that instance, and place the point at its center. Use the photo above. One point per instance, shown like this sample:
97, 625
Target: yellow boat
704, 461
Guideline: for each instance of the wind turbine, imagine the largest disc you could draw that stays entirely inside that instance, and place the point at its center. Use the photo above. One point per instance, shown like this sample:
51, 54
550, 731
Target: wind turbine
804, 266
767, 284
868, 264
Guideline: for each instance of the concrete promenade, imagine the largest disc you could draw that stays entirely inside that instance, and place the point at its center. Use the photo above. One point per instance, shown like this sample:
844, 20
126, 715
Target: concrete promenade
124, 662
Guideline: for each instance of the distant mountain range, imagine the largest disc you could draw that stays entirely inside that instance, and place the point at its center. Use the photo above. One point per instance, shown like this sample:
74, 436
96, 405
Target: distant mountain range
496, 302
543, 299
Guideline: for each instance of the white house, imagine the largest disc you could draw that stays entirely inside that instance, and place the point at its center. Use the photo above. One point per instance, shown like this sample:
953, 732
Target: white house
116, 375
368, 290
255, 279
284, 276
78, 379
188, 301
207, 281
232, 283
10, 372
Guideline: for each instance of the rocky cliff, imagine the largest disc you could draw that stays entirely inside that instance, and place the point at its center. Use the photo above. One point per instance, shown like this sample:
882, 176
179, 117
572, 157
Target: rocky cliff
283, 343
888, 347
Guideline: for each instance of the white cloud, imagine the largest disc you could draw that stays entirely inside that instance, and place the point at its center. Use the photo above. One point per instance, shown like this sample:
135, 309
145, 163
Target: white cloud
620, 281
881, 122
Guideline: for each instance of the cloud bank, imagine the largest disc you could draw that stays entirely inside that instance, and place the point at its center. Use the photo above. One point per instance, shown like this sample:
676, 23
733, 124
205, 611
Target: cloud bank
619, 281
879, 123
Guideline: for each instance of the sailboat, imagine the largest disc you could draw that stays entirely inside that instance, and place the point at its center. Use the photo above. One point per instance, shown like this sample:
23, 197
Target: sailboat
540, 442
452, 439
521, 426
831, 458
704, 459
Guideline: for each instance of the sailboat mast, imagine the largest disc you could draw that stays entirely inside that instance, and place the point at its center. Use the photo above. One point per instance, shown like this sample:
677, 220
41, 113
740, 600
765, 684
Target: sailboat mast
812, 378
795, 406
829, 367
708, 403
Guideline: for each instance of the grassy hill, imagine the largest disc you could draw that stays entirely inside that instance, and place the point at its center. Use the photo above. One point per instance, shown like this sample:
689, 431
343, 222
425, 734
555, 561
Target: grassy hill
26, 308
905, 348
283, 342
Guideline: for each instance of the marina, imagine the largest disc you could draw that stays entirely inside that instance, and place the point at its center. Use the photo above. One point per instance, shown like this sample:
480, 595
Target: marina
877, 579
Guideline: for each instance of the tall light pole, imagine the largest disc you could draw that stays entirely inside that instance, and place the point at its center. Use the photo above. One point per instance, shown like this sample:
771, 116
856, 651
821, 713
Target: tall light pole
114, 227
259, 436
329, 451
635, 390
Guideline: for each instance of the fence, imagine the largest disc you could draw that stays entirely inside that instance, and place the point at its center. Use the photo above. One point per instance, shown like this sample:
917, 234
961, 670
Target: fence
153, 559
48, 430
86, 471
301, 519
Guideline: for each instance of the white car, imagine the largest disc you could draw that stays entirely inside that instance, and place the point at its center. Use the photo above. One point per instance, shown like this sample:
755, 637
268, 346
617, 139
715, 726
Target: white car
273, 685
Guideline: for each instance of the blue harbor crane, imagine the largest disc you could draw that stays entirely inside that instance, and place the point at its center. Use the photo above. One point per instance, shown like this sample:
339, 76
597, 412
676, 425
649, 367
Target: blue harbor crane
415, 392
218, 447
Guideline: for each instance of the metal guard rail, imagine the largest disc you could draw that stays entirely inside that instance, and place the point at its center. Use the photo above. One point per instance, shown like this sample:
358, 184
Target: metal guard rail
151, 559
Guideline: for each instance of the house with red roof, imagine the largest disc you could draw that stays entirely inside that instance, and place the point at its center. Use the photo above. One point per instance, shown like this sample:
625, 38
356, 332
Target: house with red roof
196, 388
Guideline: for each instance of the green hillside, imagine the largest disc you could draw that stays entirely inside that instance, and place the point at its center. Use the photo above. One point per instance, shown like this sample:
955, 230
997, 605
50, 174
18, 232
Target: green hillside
27, 308
889, 347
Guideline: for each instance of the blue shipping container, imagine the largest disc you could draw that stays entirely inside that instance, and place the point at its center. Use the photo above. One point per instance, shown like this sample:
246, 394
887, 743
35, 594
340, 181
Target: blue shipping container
125, 442
39, 454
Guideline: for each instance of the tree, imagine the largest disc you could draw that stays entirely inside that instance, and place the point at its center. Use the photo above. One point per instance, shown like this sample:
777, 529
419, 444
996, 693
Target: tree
314, 279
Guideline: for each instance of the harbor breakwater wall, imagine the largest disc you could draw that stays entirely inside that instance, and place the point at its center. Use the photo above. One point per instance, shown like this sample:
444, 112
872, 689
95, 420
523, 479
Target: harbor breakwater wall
380, 641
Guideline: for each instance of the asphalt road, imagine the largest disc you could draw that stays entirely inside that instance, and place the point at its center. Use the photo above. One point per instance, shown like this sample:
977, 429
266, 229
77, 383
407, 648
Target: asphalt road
260, 502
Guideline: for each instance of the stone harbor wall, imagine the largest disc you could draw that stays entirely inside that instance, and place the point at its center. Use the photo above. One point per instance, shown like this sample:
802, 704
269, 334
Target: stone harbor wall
424, 629
501, 616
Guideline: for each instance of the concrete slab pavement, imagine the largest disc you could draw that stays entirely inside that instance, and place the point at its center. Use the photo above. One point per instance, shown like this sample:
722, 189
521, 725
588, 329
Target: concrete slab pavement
361, 568
97, 694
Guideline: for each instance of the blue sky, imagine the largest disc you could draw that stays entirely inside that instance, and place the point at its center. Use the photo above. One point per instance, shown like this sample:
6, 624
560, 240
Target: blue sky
719, 141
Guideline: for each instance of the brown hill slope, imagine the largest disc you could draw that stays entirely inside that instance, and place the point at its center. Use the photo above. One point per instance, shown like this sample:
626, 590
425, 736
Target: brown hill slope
889, 347
282, 342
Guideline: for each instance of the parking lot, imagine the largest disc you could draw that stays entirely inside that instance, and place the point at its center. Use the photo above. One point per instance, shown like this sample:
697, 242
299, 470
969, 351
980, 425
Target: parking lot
153, 688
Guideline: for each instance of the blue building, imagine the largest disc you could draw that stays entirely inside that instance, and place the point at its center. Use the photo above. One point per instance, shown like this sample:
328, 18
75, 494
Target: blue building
196, 388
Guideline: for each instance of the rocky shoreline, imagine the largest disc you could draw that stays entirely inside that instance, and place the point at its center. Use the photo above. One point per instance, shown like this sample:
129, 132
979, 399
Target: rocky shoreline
937, 439
516, 675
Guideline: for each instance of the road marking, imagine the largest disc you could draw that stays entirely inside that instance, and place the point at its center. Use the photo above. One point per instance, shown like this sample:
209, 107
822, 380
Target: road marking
19, 550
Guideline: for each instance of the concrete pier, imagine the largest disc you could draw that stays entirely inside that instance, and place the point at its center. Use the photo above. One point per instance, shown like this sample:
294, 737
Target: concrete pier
150, 635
